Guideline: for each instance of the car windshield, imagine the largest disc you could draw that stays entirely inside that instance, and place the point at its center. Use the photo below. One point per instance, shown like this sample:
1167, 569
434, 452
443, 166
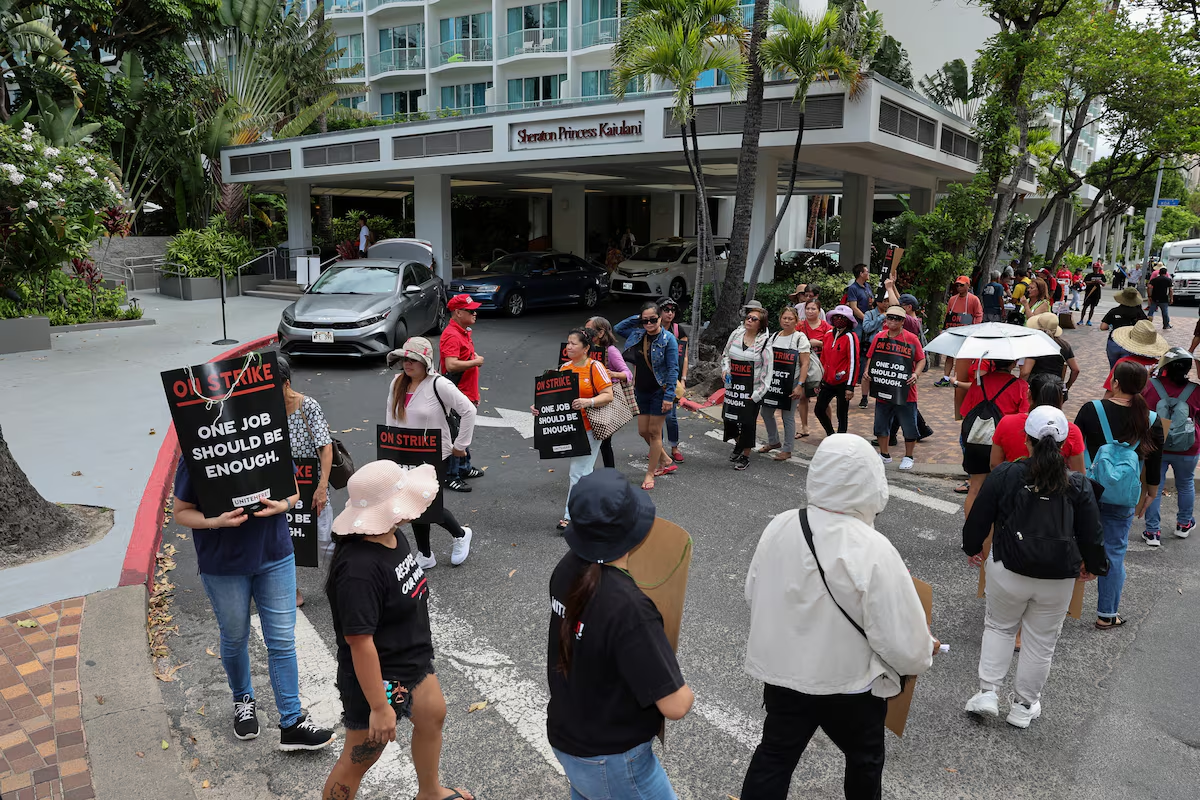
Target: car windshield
510, 265
380, 279
1189, 265
660, 251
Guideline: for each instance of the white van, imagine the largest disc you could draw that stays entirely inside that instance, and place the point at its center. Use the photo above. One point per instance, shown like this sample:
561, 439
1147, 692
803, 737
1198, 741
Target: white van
1182, 260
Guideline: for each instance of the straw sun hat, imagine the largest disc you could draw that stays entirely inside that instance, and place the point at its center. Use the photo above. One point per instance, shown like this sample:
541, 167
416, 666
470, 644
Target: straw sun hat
1128, 296
1047, 322
1141, 339
384, 494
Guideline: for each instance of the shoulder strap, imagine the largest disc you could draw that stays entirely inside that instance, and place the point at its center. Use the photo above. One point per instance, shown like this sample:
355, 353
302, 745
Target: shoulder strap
1162, 391
808, 537
438, 395
1187, 391
304, 416
1105, 428
996, 396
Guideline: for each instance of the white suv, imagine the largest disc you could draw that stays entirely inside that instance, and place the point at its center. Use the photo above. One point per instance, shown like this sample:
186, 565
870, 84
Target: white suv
666, 267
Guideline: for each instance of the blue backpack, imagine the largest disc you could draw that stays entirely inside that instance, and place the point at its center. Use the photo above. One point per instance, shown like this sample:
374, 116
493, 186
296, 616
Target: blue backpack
1117, 466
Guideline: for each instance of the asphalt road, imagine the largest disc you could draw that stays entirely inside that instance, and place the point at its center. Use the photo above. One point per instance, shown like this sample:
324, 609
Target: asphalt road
1119, 711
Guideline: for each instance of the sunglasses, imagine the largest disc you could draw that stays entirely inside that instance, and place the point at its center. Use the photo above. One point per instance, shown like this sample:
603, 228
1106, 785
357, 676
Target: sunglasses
894, 318
753, 318
649, 320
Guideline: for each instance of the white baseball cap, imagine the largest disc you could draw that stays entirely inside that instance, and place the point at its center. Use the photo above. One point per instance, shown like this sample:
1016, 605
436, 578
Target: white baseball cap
1046, 421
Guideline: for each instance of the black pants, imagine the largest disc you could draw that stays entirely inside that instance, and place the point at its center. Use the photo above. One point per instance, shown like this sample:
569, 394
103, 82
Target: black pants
854, 722
743, 433
1089, 308
421, 530
827, 393
606, 453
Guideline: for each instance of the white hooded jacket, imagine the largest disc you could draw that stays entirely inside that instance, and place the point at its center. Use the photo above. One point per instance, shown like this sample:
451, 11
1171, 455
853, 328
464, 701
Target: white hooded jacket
798, 637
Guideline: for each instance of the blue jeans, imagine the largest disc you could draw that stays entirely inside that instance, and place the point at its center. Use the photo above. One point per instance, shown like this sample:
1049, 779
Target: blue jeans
459, 466
1185, 487
1115, 521
1114, 352
273, 589
1166, 313
632, 775
580, 466
671, 428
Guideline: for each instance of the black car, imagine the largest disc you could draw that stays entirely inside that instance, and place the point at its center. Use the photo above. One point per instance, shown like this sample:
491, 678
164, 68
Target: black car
518, 281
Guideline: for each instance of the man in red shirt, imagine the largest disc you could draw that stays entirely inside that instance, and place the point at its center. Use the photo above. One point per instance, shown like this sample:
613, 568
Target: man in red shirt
459, 362
963, 308
897, 350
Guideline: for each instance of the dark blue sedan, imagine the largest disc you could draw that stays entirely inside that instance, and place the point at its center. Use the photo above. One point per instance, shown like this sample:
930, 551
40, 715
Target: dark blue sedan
518, 281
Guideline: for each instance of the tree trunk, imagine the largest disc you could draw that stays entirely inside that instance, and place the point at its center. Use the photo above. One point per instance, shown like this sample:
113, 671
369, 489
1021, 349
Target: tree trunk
28, 522
1006, 199
769, 241
698, 287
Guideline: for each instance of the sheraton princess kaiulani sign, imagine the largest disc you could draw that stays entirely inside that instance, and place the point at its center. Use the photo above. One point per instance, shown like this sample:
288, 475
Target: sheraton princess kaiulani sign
578, 131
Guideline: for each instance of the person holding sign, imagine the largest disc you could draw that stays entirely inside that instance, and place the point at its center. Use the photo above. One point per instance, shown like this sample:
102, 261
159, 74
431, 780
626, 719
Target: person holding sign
840, 362
894, 361
1046, 535
612, 673
790, 357
654, 354
747, 364
823, 580
420, 398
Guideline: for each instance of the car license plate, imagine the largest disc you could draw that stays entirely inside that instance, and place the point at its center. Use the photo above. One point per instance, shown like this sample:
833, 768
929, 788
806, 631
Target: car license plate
627, 286
323, 337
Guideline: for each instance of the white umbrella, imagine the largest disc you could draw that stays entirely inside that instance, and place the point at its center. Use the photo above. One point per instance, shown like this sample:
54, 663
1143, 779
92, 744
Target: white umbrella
996, 337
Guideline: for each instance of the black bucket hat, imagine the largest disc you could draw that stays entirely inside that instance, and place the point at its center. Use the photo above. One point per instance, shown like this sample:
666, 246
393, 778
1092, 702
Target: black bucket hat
667, 302
609, 516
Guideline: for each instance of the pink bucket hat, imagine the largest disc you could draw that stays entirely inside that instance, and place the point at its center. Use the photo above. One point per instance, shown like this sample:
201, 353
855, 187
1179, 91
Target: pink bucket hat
843, 310
384, 494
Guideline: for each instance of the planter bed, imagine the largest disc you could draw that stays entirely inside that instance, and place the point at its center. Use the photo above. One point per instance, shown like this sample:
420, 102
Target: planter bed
206, 288
23, 334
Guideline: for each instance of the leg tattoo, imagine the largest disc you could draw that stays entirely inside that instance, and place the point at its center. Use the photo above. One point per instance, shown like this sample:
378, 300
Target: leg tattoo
366, 752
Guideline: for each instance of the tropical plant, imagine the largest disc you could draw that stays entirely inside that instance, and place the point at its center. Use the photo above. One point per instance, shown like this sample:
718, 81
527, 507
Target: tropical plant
676, 41
346, 226
956, 88
892, 62
860, 31
31, 54
209, 252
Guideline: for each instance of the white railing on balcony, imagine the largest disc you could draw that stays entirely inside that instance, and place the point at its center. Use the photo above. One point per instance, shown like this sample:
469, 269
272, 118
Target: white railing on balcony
601, 31
343, 7
535, 40
457, 51
375, 4
346, 62
398, 60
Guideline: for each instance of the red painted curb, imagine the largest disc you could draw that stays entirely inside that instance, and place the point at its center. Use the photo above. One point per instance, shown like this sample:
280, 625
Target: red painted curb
138, 567
715, 398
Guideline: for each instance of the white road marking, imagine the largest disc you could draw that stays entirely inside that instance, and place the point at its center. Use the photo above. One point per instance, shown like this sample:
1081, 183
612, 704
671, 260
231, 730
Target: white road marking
520, 421
924, 500
743, 729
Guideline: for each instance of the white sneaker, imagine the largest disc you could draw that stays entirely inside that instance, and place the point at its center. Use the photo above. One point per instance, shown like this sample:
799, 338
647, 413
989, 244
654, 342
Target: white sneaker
426, 563
1020, 715
984, 703
461, 549
906, 463
886, 459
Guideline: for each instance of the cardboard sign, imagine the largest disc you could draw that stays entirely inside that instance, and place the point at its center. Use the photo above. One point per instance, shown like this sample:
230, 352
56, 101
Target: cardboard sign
898, 705
411, 447
738, 391
302, 520
890, 368
783, 379
558, 430
594, 353
238, 451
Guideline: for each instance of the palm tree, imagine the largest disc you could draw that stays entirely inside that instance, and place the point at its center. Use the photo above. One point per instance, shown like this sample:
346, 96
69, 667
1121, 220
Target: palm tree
676, 41
955, 88
32, 55
807, 48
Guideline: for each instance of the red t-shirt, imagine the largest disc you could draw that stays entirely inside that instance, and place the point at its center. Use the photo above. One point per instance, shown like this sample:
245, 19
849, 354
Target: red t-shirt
1144, 360
1010, 435
816, 334
456, 343
906, 345
1013, 400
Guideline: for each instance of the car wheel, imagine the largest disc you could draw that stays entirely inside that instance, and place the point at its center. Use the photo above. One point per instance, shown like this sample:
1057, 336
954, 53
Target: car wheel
514, 304
590, 297
443, 317
399, 334
678, 290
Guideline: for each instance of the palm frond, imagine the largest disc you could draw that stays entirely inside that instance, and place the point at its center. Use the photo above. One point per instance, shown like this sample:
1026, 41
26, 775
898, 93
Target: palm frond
807, 48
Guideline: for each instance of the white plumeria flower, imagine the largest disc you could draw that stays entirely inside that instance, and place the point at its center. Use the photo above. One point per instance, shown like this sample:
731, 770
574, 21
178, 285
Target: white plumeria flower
90, 172
31, 205
81, 161
16, 178
28, 148
47, 185
27, 131
51, 152
54, 177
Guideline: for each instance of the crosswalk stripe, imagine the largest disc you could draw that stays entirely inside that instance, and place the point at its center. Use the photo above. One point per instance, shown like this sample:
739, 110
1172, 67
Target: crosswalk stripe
741, 728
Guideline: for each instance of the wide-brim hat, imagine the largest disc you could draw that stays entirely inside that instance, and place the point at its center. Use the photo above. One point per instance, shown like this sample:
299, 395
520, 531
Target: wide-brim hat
753, 305
609, 516
1128, 296
384, 494
1047, 322
1141, 339
801, 288
843, 311
417, 347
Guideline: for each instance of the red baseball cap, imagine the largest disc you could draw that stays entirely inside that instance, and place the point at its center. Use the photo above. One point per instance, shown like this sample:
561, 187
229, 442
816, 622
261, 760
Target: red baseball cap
462, 301
962, 279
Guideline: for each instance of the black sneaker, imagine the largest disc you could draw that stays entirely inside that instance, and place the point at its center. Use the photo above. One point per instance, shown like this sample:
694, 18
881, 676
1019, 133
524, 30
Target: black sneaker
245, 718
304, 735
735, 455
862, 402
457, 485
742, 462
474, 472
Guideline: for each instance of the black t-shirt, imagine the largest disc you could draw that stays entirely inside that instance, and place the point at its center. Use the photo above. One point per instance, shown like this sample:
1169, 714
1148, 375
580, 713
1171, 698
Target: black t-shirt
643, 372
681, 335
621, 665
1160, 288
1119, 417
1093, 282
1122, 317
380, 591
1053, 364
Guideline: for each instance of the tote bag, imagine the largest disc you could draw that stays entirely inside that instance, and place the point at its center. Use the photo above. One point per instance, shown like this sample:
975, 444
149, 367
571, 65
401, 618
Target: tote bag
607, 420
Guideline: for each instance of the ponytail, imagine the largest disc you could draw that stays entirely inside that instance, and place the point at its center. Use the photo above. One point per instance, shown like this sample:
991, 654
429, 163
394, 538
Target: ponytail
583, 589
1131, 378
1047, 470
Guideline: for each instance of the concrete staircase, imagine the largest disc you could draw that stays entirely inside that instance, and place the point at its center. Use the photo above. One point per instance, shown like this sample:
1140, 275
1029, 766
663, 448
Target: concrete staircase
279, 289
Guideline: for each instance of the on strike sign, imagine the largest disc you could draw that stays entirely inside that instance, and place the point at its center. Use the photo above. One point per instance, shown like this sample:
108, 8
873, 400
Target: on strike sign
595, 353
412, 447
558, 430
890, 366
738, 391
232, 428
783, 379
302, 520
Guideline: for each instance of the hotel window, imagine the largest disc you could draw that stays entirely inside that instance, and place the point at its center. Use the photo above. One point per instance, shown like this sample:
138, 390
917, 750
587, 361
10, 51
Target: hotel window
544, 15
598, 83
469, 97
402, 37
393, 104
472, 26
352, 51
594, 10
532, 91
352, 102
713, 77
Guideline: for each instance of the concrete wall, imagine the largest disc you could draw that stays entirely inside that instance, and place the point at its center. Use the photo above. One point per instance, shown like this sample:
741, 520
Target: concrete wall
130, 246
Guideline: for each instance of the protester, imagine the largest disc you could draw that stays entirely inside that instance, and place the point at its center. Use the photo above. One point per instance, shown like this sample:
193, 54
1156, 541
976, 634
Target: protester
990, 397
308, 433
613, 257
379, 600
804, 294
1195, 338
459, 362
815, 325
1174, 398
1055, 365
1119, 274
1139, 343
963, 308
993, 299
872, 325
1162, 294
1008, 442
669, 310
612, 673
1036, 300
840, 367
420, 398
243, 557
1129, 437
1127, 312
618, 371
886, 412
787, 338
654, 353
858, 295
1076, 289
814, 329
1035, 560
813, 571
1093, 285
751, 341
365, 237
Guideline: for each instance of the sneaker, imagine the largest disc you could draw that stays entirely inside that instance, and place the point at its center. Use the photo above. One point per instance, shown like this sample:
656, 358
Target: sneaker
984, 703
735, 455
245, 718
942, 381
885, 458
906, 463
862, 403
474, 472
1089, 323
304, 735
461, 548
1152, 538
457, 485
1166, 327
1182, 530
1020, 714
742, 462
426, 562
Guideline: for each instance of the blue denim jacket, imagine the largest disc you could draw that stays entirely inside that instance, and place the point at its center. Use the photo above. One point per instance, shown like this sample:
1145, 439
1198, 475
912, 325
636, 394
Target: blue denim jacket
664, 352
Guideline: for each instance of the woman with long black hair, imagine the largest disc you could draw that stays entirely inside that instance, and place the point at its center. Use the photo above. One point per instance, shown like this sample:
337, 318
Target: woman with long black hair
750, 342
1046, 535
618, 370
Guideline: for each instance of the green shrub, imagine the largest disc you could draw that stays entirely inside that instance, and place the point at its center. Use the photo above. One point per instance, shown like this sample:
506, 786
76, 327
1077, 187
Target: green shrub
345, 227
1074, 262
67, 301
209, 252
774, 296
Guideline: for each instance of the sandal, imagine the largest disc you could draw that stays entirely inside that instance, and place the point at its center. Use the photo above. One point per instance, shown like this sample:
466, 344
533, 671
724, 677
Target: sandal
963, 488
1105, 624
677, 456
801, 435
766, 448
667, 470
648, 484
562, 524
782, 456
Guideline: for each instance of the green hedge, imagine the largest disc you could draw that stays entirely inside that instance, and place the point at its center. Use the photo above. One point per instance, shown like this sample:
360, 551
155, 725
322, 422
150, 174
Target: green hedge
209, 252
773, 296
78, 306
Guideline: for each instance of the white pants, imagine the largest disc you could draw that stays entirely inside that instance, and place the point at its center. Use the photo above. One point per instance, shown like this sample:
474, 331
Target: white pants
1035, 606
580, 466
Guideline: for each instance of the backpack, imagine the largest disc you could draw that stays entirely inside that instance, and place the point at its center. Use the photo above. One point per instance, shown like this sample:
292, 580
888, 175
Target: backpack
1117, 466
980, 423
1177, 415
1040, 540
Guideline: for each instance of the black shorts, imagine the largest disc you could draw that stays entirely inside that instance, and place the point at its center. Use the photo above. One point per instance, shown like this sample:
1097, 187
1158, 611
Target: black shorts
977, 459
356, 711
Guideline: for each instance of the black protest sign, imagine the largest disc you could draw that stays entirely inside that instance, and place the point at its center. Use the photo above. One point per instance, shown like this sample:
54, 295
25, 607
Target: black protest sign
411, 447
233, 431
738, 391
890, 367
302, 520
558, 430
595, 353
783, 379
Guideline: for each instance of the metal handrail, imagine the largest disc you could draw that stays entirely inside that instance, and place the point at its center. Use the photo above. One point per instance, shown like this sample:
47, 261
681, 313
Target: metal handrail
171, 269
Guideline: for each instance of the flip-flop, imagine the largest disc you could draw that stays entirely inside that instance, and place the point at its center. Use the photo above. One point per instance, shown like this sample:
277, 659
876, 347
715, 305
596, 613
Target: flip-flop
801, 436
963, 488
677, 458
1115, 622
667, 470
766, 448
648, 481
562, 525
456, 796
